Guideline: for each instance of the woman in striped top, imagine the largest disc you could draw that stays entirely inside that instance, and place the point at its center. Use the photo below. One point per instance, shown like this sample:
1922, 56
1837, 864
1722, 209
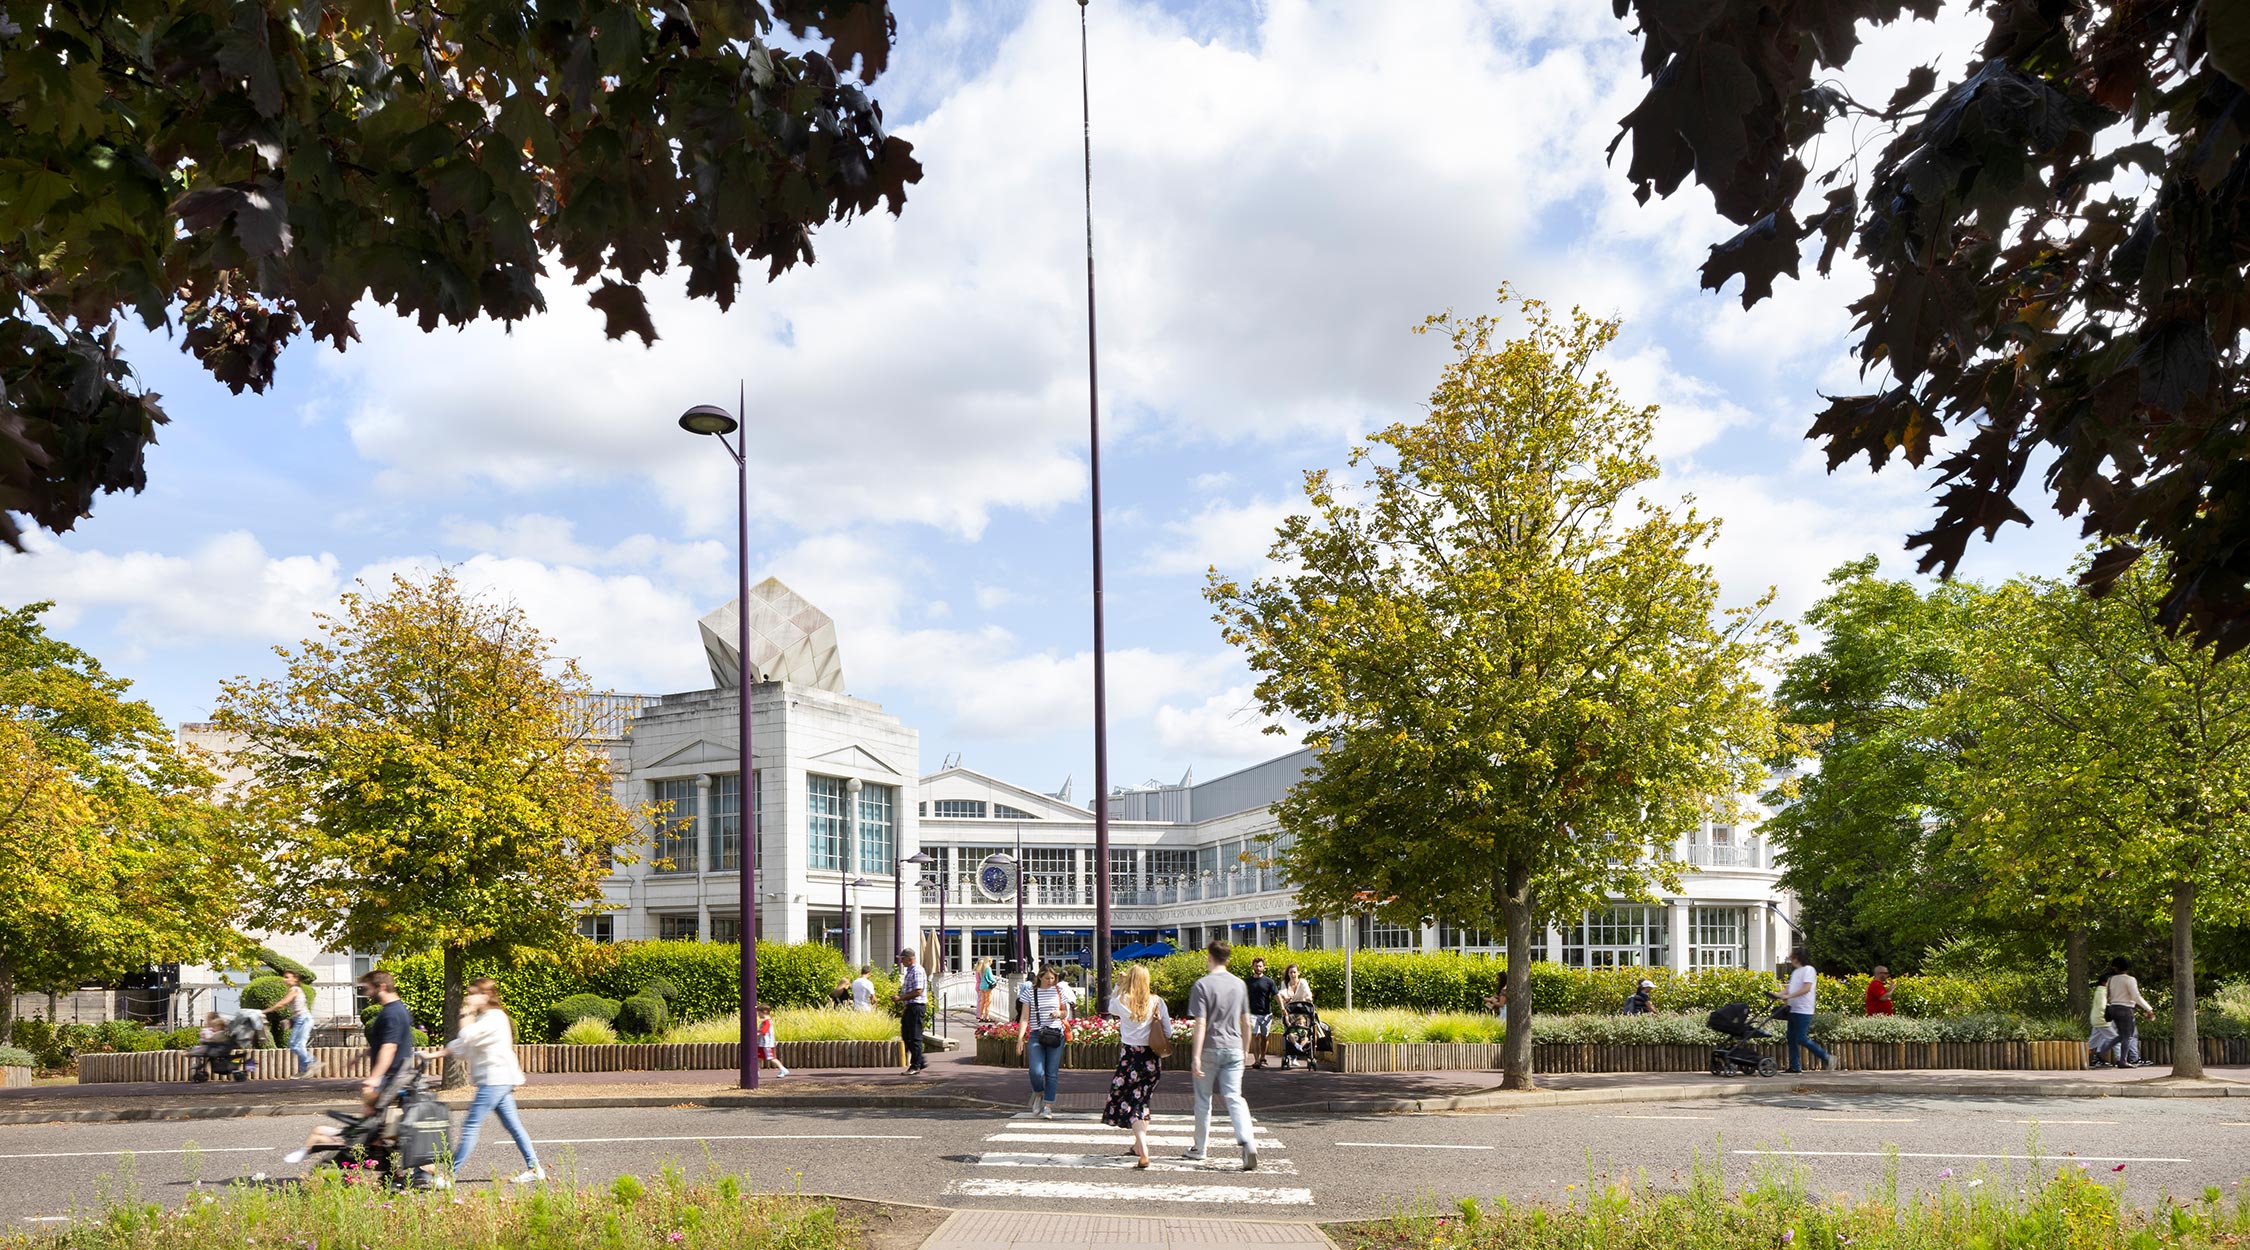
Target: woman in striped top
1043, 1013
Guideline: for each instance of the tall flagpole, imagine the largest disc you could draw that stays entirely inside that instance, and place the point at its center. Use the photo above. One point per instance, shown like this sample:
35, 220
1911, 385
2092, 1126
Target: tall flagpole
1094, 462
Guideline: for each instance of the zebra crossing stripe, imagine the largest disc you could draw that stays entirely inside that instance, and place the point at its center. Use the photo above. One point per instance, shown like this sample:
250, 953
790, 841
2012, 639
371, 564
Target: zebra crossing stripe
1109, 1191
1124, 1163
1122, 1138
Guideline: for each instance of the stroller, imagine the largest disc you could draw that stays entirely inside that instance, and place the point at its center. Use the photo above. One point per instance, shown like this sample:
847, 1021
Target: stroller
1302, 1036
1741, 1058
402, 1138
227, 1055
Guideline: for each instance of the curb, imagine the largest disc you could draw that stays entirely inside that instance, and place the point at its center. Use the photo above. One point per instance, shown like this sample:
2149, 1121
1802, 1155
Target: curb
237, 1111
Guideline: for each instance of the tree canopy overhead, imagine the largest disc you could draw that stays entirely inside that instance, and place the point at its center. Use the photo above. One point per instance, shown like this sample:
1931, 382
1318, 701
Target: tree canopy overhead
2058, 242
248, 171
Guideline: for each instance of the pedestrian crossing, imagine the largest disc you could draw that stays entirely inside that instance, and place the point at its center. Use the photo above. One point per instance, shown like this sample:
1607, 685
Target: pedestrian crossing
1029, 1149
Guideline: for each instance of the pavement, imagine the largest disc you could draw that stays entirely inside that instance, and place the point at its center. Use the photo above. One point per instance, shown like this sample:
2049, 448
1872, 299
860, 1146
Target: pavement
955, 1081
1312, 1167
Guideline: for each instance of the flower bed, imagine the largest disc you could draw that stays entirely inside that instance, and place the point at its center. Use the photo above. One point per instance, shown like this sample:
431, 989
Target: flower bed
1663, 1057
173, 1065
1101, 1056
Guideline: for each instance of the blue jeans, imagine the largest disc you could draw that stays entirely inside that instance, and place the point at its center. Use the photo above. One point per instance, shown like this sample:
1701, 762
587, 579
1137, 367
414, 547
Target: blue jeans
300, 1032
1044, 1063
1222, 1074
491, 1098
1800, 1035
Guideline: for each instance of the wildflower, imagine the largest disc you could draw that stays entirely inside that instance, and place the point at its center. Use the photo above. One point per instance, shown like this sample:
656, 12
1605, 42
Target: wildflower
675, 1235
1946, 1173
2119, 1168
1788, 1235
1978, 1181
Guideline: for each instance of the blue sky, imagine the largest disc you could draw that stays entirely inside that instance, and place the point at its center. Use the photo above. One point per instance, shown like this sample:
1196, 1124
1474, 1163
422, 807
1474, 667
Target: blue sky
1282, 190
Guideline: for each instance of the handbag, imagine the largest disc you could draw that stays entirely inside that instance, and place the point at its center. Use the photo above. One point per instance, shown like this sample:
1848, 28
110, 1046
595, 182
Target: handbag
1160, 1036
1048, 1037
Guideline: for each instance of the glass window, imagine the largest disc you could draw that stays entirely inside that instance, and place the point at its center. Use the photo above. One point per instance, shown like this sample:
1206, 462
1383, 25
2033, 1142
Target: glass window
1051, 870
1124, 870
1382, 935
960, 809
824, 823
999, 946
601, 928
675, 829
1005, 812
878, 828
726, 928
726, 822
1207, 860
827, 928
1170, 864
676, 928
1452, 936
1623, 936
1718, 937
1310, 936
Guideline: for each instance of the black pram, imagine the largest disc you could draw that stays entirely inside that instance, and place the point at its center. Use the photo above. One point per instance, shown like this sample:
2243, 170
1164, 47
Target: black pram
1301, 1035
1741, 1058
227, 1054
402, 1138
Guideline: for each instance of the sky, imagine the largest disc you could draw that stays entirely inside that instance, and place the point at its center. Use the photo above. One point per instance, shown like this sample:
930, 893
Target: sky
1282, 188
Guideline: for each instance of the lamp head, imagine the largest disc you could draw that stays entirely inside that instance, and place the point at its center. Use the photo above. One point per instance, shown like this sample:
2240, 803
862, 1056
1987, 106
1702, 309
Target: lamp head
918, 857
708, 419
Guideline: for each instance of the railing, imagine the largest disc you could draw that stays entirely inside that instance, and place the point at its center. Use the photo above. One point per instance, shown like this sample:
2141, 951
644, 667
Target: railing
1707, 855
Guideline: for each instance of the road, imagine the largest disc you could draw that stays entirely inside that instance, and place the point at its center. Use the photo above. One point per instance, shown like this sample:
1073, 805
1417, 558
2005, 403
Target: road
1312, 1167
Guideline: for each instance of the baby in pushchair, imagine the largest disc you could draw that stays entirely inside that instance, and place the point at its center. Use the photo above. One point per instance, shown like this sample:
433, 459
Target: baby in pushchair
221, 1050
1300, 1036
1740, 1058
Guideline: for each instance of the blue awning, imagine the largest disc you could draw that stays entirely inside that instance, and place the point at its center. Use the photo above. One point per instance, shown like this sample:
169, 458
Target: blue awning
1066, 933
1156, 950
992, 932
1315, 921
1245, 924
1138, 950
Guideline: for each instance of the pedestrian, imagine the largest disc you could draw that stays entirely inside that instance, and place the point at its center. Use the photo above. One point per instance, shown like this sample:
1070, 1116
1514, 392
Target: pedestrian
913, 1007
1497, 1001
486, 1041
986, 979
1144, 1038
2126, 1006
841, 996
1294, 989
390, 1055
1044, 1015
2103, 1034
1262, 992
1803, 989
1220, 1007
300, 1024
1641, 1001
863, 989
769, 1048
1878, 1001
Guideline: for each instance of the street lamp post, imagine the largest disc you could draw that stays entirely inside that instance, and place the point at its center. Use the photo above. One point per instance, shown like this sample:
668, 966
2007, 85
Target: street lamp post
898, 900
849, 886
717, 422
848, 859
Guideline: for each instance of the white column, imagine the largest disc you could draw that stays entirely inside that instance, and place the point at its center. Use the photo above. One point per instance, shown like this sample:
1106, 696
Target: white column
1761, 938
1679, 920
1429, 938
703, 849
1554, 945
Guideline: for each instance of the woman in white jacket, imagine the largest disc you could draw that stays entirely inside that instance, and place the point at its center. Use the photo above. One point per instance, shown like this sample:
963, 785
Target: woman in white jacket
487, 1043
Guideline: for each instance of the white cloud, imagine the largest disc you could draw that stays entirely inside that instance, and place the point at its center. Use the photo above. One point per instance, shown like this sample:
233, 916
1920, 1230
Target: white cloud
994, 598
1224, 731
226, 587
1232, 537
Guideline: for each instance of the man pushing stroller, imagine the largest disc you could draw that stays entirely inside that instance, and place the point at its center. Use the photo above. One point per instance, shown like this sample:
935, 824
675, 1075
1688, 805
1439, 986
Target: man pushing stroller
390, 1049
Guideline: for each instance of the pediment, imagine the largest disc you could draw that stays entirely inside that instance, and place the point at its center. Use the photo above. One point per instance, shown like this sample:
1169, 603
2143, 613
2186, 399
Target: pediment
702, 752
856, 759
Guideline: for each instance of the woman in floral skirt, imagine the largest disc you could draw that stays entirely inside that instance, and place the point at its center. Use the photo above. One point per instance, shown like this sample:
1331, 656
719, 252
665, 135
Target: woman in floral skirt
1142, 1019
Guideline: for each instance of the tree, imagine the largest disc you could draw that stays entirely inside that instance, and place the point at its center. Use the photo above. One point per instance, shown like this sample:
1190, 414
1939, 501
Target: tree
1513, 665
2057, 243
1866, 837
113, 853
425, 772
255, 169
2102, 739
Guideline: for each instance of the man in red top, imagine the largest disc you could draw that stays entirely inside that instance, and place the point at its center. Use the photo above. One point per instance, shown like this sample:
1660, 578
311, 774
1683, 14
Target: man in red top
1879, 992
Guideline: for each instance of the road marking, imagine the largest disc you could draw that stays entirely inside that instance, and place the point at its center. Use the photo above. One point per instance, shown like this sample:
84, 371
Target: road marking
1275, 1167
1115, 1139
1660, 1117
606, 1141
1862, 1119
1409, 1145
46, 1219
1067, 1190
2062, 1121
1947, 1154
1168, 1117
102, 1154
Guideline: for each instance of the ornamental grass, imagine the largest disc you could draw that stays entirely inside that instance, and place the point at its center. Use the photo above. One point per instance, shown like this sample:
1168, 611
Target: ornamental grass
2077, 1207
330, 1211
796, 1024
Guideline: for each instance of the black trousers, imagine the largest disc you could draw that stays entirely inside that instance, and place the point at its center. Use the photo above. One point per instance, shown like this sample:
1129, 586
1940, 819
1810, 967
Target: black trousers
910, 1032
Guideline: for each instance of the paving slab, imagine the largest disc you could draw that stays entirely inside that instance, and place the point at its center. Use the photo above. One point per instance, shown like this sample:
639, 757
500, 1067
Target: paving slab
1050, 1230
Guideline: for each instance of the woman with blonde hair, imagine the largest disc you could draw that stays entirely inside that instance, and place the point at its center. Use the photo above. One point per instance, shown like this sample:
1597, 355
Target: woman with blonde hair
1144, 1035
487, 1043
985, 981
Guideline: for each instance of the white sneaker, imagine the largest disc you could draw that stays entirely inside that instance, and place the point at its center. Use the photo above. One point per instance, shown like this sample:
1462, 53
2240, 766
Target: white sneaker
780, 1071
1033, 1108
528, 1176
1046, 1113
312, 1070
294, 1156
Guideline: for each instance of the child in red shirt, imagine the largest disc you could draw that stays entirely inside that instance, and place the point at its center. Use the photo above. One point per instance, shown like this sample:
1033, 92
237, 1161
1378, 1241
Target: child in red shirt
1879, 992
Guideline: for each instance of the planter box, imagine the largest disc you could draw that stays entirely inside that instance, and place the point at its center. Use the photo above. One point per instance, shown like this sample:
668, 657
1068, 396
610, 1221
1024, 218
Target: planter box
1077, 1056
1861, 1056
13, 1077
174, 1065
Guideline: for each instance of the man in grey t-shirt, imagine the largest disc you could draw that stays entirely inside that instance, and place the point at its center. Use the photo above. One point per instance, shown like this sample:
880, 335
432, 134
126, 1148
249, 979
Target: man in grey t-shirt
1219, 1004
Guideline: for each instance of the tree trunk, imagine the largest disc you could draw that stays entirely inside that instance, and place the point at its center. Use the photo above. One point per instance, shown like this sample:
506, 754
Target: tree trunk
7, 996
1515, 917
456, 1074
2187, 1051
2078, 994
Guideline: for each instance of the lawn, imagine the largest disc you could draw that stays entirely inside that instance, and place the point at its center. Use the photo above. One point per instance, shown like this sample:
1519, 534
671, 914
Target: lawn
671, 1212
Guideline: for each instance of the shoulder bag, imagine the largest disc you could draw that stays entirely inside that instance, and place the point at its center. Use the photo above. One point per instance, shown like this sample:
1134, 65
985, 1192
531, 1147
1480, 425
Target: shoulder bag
1160, 1031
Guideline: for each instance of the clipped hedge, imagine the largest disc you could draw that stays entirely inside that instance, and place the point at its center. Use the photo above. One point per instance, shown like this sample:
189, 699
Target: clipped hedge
642, 1015
14, 1057
701, 975
583, 1007
1451, 981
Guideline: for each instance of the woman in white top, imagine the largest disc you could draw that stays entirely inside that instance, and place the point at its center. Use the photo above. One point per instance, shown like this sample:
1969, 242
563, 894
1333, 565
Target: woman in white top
1141, 1017
1043, 1016
487, 1043
1295, 988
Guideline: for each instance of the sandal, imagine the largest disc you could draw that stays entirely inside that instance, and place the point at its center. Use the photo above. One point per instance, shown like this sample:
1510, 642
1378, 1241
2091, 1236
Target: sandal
1141, 1162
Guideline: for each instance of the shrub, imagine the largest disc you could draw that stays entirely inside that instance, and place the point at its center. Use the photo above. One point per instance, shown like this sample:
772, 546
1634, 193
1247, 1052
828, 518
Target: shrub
182, 1038
588, 1031
642, 1015
261, 994
125, 1037
17, 1057
276, 963
583, 1007
662, 988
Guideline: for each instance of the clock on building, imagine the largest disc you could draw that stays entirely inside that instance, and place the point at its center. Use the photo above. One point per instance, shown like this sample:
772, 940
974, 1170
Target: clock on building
997, 878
